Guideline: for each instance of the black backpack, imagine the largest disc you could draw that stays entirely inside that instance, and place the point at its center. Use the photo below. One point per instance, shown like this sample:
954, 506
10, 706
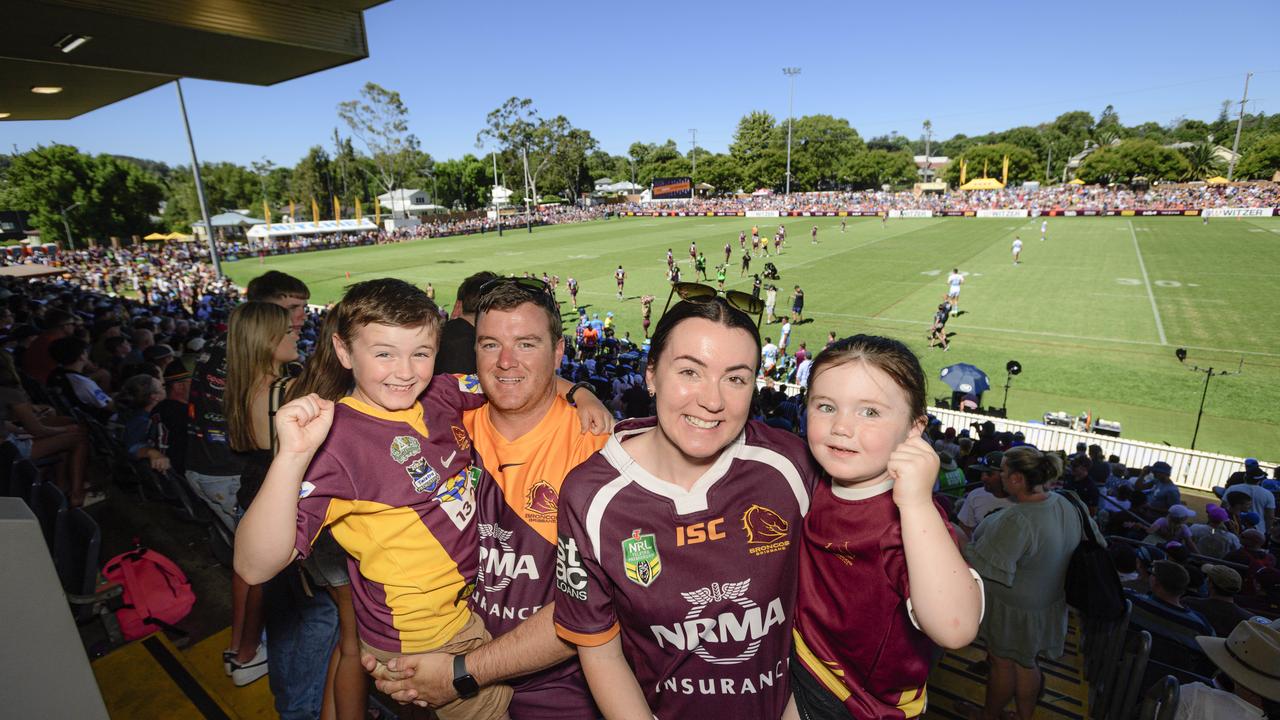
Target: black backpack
1092, 584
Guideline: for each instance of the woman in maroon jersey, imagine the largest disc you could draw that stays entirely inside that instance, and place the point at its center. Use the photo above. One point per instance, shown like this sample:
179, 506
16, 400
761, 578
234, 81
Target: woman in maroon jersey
678, 542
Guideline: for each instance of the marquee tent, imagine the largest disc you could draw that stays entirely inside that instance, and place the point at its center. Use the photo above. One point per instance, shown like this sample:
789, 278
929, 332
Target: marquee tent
982, 184
311, 228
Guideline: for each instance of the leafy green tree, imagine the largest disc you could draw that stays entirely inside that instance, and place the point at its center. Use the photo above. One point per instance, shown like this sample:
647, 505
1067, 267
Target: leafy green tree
720, 171
1262, 160
112, 197
379, 119
1023, 165
464, 183
876, 168
1202, 163
759, 148
818, 145
313, 180
1133, 158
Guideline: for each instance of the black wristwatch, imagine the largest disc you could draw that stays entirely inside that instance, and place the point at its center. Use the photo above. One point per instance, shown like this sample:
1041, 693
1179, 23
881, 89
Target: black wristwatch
463, 684
577, 386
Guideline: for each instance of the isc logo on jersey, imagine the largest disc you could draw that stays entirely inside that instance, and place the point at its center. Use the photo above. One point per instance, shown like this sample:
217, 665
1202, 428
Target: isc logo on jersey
571, 576
500, 565
723, 626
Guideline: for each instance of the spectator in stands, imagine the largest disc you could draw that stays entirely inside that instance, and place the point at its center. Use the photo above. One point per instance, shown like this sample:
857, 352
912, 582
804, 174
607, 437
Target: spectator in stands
458, 337
1220, 608
138, 396
168, 432
1173, 527
36, 361
38, 435
1246, 686
1212, 537
1252, 471
982, 501
1022, 553
1125, 559
950, 480
1100, 469
1252, 552
1081, 481
1264, 502
1161, 612
68, 379
1159, 485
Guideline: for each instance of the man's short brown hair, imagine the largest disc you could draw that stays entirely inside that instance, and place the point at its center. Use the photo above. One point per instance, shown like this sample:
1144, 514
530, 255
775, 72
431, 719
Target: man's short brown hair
273, 285
506, 296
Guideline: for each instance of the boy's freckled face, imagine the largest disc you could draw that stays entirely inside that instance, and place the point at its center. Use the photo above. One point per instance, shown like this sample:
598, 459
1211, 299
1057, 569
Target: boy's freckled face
391, 365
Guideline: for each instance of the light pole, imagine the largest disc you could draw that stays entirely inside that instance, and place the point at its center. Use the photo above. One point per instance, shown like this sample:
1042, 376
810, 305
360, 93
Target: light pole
195, 170
67, 226
790, 72
1235, 147
1209, 374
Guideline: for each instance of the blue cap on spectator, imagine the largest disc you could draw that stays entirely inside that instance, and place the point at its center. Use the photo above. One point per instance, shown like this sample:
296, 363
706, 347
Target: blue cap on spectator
1251, 462
1250, 518
1162, 467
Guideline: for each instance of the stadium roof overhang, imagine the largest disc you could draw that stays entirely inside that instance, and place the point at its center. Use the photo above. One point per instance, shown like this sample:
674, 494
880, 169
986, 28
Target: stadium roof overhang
132, 47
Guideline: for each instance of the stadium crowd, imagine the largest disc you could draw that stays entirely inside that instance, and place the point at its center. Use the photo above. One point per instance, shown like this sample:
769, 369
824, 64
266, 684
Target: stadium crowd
162, 376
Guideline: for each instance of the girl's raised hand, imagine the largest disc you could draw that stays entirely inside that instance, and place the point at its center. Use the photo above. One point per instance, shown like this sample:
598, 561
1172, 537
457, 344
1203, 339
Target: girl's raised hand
913, 465
303, 424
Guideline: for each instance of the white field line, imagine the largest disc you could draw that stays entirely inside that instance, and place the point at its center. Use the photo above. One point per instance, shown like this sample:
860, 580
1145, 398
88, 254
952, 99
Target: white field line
1147, 281
1036, 333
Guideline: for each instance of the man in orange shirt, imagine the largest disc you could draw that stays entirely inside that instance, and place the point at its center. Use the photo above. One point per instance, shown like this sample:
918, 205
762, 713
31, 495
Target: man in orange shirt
528, 438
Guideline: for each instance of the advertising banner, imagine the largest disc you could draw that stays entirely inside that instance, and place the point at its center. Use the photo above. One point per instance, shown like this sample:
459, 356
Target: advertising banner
1238, 212
910, 213
762, 213
1002, 213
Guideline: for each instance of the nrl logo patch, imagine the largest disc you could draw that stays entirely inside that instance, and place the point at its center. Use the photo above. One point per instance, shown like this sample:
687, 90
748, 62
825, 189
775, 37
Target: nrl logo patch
404, 447
425, 478
640, 558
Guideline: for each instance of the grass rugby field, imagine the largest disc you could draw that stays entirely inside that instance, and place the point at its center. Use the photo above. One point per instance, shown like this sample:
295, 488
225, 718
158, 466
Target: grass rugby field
1093, 314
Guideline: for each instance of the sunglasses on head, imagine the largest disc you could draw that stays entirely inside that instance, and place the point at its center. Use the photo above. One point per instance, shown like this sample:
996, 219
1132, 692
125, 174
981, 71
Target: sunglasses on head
533, 287
697, 292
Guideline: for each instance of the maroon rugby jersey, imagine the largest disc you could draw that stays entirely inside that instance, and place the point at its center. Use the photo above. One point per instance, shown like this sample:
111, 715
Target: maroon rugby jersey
700, 583
398, 490
518, 501
852, 568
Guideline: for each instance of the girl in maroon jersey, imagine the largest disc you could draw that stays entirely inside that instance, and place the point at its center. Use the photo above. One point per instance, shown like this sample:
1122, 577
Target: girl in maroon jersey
881, 576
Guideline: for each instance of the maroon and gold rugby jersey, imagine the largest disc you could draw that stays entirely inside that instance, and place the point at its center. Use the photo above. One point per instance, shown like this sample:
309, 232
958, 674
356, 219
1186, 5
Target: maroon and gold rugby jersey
853, 568
700, 583
518, 500
398, 490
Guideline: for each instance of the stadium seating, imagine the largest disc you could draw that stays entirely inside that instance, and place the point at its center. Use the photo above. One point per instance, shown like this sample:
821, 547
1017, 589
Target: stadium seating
47, 503
1160, 701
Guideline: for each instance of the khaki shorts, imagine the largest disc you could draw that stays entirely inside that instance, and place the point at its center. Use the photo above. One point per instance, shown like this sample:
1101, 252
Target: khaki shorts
490, 703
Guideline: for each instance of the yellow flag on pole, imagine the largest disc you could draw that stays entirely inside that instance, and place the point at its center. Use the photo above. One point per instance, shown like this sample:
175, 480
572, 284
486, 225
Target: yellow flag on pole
377, 213
358, 211
315, 210
1004, 174
337, 209
964, 167
984, 168
266, 211
293, 215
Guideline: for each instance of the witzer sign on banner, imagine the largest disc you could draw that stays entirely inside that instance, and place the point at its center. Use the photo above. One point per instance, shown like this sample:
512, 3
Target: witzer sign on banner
910, 213
1001, 213
762, 213
1238, 212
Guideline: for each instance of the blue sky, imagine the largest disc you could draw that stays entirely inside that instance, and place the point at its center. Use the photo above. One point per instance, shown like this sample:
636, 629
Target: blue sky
651, 71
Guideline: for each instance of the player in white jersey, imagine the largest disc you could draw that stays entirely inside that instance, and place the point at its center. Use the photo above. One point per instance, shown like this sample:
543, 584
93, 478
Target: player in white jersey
1044, 229
954, 281
1017, 249
620, 277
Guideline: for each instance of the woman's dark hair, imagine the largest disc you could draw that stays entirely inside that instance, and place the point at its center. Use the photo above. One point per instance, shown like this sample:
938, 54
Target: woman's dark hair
716, 309
1037, 467
886, 354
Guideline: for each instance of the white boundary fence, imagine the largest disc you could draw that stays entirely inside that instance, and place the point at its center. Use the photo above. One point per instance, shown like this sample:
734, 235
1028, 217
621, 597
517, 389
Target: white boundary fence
1191, 468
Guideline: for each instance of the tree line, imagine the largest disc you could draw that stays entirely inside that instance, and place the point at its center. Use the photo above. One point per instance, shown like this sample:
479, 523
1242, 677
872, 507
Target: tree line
117, 196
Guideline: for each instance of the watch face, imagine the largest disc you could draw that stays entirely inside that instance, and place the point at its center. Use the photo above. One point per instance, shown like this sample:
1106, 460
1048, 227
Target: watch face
463, 684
